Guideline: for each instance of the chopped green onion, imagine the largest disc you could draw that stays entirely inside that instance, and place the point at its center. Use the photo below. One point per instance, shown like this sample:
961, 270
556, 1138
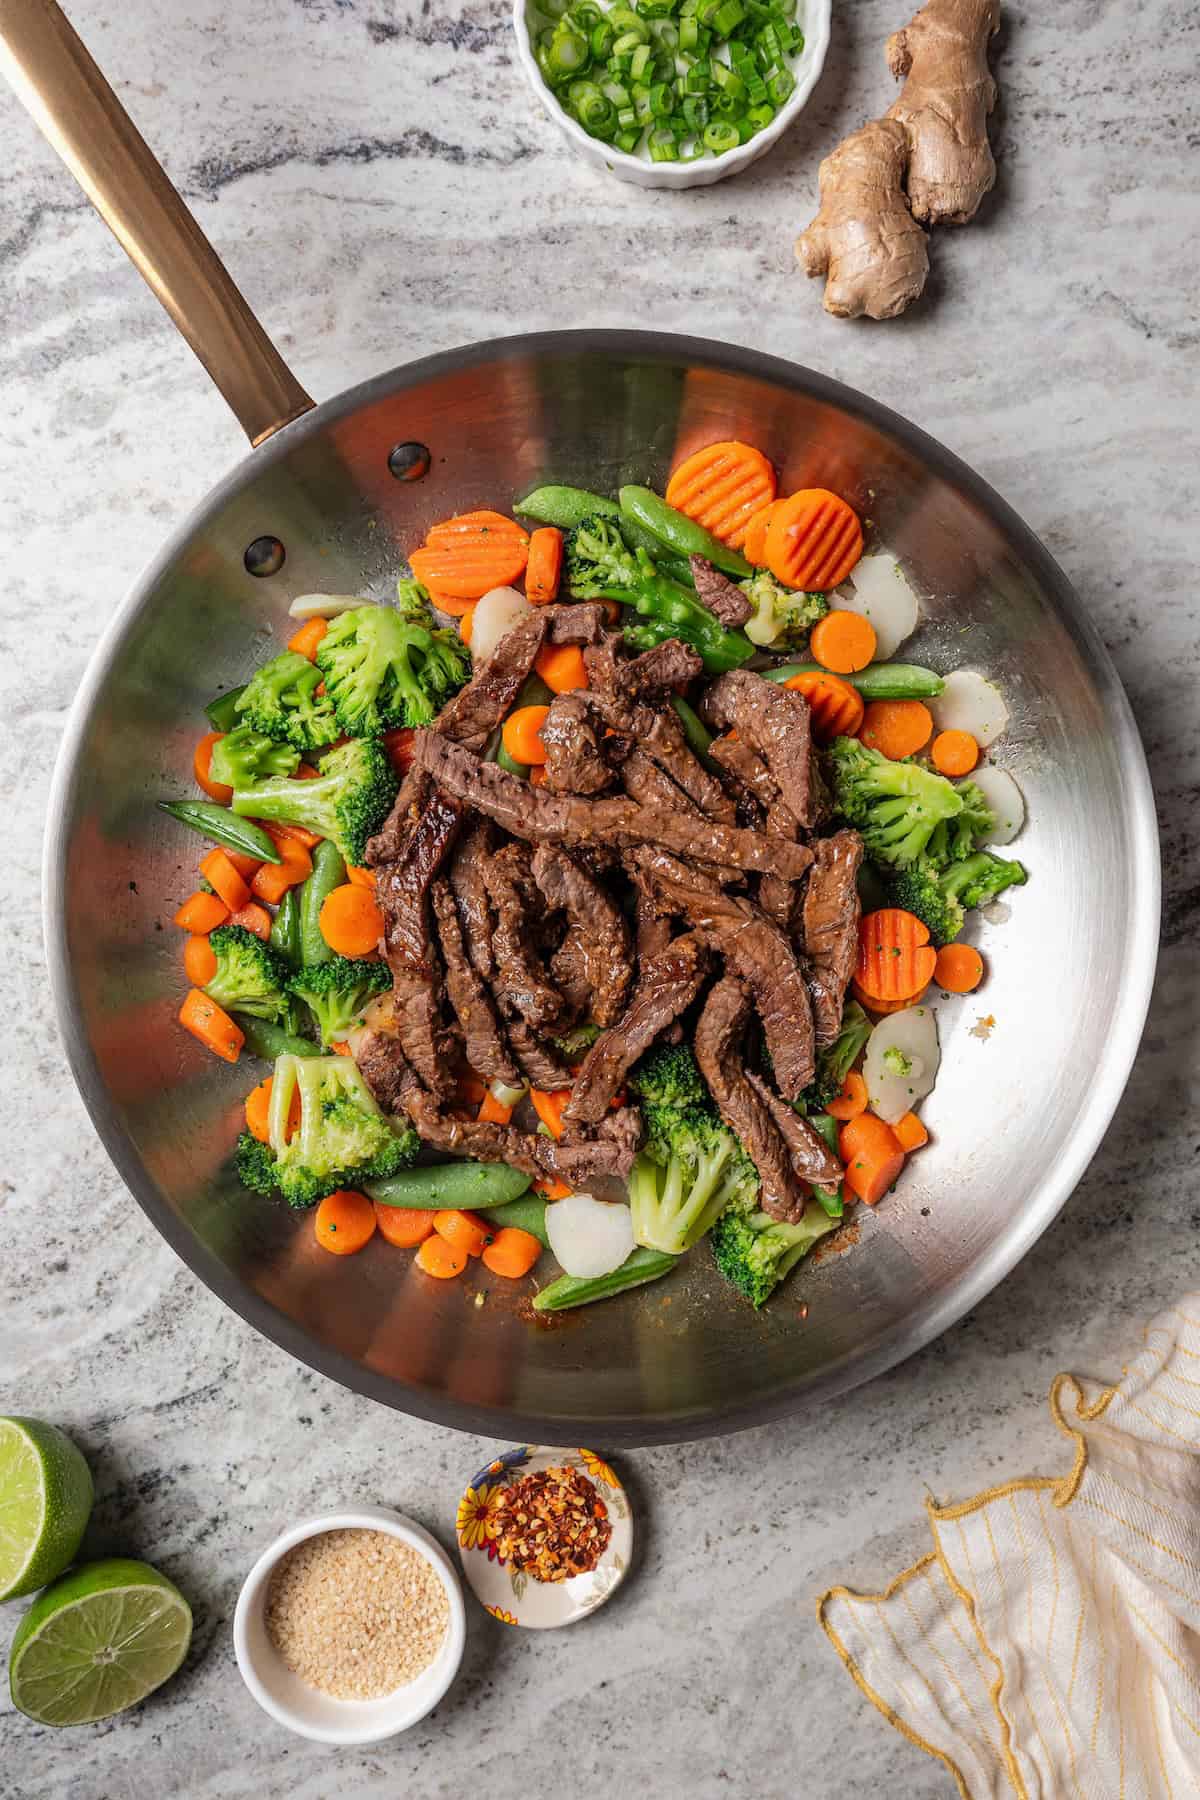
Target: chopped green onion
699, 77
724, 106
781, 85
617, 92
695, 111
720, 137
728, 17
760, 117
628, 42
601, 40
568, 53
629, 140
689, 33
662, 99
643, 63
663, 147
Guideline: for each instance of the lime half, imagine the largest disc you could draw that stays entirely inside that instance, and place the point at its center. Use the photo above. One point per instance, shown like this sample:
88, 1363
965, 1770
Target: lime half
99, 1640
45, 1499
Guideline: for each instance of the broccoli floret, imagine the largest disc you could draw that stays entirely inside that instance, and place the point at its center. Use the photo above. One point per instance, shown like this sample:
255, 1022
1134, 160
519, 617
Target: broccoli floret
895, 805
576, 1042
383, 669
978, 879
251, 977
692, 1166
342, 1139
347, 801
281, 701
669, 1075
942, 899
955, 838
338, 992
755, 1252
413, 602
837, 1059
244, 755
600, 566
783, 617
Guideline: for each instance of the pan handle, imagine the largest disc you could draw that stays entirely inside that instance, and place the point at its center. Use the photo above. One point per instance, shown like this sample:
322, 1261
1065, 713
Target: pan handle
60, 85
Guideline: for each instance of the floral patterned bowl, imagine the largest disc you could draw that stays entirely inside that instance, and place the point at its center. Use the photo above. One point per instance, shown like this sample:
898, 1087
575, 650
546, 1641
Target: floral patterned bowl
511, 1595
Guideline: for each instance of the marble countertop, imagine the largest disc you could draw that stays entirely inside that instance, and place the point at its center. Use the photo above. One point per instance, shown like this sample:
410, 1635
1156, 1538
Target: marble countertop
382, 186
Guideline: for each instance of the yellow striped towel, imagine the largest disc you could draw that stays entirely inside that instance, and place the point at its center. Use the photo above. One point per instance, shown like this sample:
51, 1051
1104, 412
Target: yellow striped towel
1048, 1647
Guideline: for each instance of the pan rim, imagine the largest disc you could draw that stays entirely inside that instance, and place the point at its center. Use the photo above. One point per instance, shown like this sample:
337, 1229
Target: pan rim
939, 1312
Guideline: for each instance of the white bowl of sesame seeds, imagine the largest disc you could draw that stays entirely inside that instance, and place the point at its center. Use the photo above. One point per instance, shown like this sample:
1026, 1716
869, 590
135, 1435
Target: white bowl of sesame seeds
350, 1628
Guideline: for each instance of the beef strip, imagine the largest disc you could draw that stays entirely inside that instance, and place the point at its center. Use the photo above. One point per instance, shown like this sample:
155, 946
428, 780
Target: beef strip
748, 774
665, 987
521, 984
401, 888
468, 881
723, 598
774, 722
756, 951
609, 1153
487, 1053
832, 910
811, 1158
719, 1032
596, 928
383, 1064
619, 823
657, 672
540, 1063
576, 762
650, 785
480, 707
658, 733
652, 925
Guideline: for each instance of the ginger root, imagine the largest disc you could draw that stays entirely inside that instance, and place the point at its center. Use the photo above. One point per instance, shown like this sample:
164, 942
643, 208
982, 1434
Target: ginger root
927, 159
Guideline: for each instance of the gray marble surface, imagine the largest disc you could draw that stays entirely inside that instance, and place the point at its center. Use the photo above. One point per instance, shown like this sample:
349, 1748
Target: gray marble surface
382, 187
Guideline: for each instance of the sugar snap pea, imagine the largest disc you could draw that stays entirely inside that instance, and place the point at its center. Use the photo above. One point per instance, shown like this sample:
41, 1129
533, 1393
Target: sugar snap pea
567, 507
679, 533
470, 1185
510, 763
328, 872
223, 827
270, 1041
527, 1213
285, 929
221, 711
696, 732
578, 1290
826, 1127
879, 681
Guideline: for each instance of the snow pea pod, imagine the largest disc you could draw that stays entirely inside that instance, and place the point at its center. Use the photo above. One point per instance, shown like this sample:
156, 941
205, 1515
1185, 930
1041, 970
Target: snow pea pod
695, 731
471, 1185
270, 1041
510, 763
567, 507
679, 533
328, 872
826, 1127
221, 712
285, 929
528, 1213
223, 827
879, 681
580, 1290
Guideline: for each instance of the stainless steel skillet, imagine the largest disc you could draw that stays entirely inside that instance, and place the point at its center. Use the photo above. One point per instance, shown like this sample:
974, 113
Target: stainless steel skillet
1020, 1105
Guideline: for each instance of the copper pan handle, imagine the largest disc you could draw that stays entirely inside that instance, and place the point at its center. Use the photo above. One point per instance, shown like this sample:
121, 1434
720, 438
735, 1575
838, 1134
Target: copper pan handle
68, 97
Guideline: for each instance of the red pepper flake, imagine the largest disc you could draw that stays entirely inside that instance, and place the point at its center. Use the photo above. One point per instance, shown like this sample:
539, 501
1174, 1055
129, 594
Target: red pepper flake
551, 1524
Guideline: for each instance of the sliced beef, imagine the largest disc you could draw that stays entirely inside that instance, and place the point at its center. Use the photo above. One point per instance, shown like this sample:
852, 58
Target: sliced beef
389, 841
812, 1159
521, 983
609, 1150
666, 986
723, 598
468, 881
718, 1045
658, 672
748, 774
540, 817
540, 1063
832, 910
402, 885
483, 1038
576, 762
756, 951
382, 1062
480, 708
609, 1153
597, 930
578, 622
657, 733
774, 722
650, 785
652, 925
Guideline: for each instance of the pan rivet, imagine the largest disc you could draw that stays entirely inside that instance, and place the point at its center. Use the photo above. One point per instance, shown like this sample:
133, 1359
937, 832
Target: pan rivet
409, 462
264, 556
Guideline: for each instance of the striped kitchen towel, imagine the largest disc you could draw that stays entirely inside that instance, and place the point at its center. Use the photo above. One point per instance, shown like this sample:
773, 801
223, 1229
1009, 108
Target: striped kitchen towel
1048, 1646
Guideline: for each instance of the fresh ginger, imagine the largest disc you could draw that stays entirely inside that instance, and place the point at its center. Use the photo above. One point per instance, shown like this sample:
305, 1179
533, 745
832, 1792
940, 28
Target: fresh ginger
927, 159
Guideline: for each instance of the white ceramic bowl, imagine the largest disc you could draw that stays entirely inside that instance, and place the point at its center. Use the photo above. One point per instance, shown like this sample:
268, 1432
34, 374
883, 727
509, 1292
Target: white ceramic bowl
813, 18
305, 1710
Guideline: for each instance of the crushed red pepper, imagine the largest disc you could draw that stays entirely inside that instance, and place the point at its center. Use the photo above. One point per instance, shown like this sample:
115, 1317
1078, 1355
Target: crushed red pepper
551, 1525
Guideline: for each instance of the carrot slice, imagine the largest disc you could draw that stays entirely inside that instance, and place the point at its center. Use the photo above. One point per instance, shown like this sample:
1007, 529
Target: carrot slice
201, 913
520, 734
201, 763
253, 918
466, 624
852, 1100
363, 878
441, 1260
245, 865
722, 487
214, 1028
910, 1133
465, 1230
550, 1108
873, 1157
896, 728
345, 1222
814, 540
401, 747
199, 961
258, 1111
561, 667
404, 1226
307, 641
836, 708
512, 1253
449, 603
466, 527
272, 881
895, 958
754, 545
493, 1111
544, 567
463, 557
550, 1189
843, 641
350, 921
220, 874
954, 752
958, 969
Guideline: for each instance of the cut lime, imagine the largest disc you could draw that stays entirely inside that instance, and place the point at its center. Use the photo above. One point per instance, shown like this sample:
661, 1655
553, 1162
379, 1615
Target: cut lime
98, 1641
45, 1499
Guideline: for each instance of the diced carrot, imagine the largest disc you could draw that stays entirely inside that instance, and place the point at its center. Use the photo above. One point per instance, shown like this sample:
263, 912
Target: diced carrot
464, 557
258, 1111
363, 878
722, 487
345, 1222
512, 1252
404, 1226
520, 734
843, 641
469, 1089
201, 913
958, 969
466, 624
550, 1108
814, 540
466, 1230
873, 1157
273, 880
340, 1047
754, 545
550, 1189
220, 874
350, 921
253, 918
493, 1111
910, 1133
954, 752
307, 641
441, 1260
199, 961
544, 567
836, 707
537, 775
201, 763
401, 746
895, 958
852, 1100
214, 1028
286, 837
896, 728
561, 667
245, 865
